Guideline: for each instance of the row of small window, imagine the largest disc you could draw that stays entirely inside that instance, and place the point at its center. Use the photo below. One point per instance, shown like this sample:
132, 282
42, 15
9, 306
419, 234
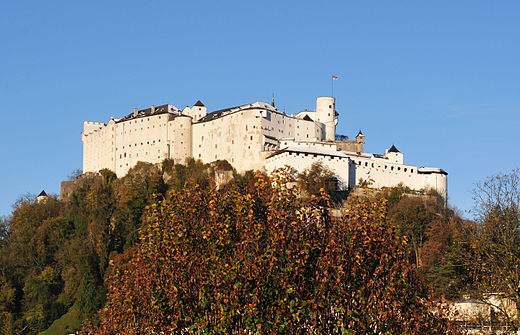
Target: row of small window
147, 119
386, 167
136, 155
130, 130
148, 142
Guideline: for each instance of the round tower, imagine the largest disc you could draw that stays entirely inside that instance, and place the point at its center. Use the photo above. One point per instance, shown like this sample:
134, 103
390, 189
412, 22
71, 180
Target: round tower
326, 114
181, 143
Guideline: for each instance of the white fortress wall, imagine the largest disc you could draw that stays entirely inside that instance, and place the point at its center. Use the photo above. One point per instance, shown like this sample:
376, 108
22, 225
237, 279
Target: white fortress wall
435, 179
279, 125
384, 173
301, 160
381, 172
95, 153
235, 137
141, 139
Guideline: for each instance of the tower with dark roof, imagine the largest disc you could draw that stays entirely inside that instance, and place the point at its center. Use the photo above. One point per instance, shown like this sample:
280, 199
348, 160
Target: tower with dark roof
42, 197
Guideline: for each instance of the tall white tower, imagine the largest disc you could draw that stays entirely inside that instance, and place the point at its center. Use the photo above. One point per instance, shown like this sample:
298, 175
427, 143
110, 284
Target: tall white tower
326, 114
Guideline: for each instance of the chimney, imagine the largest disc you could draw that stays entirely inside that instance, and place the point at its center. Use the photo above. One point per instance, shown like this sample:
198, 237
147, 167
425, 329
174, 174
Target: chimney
135, 112
153, 109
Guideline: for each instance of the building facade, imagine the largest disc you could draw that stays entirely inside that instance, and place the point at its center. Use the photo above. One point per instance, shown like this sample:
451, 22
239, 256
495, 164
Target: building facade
254, 136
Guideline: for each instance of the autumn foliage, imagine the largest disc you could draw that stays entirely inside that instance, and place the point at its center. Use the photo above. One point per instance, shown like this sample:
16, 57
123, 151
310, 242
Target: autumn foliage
264, 260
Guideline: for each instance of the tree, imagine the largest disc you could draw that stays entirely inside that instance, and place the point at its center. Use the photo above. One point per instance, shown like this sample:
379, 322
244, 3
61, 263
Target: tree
265, 260
413, 216
318, 177
497, 249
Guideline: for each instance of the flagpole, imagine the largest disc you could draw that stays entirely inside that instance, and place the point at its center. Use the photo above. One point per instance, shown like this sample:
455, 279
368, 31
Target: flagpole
332, 84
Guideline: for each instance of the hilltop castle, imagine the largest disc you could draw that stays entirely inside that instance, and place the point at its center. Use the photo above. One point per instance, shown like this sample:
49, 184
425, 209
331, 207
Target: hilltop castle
255, 136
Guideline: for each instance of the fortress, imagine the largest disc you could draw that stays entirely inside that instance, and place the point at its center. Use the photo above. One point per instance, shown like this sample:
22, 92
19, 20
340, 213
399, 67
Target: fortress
255, 136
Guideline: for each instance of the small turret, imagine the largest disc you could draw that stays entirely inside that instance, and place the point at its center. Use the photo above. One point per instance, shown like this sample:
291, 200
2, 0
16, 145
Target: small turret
198, 111
41, 197
394, 155
360, 138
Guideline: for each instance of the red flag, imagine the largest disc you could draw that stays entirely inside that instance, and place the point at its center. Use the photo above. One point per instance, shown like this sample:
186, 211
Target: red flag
334, 78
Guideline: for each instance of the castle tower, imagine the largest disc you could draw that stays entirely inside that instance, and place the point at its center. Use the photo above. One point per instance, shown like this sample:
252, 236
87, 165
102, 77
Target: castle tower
198, 111
42, 196
326, 114
360, 138
394, 155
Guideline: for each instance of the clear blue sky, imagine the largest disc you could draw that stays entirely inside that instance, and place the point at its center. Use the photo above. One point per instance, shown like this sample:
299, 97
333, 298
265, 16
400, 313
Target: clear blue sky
439, 79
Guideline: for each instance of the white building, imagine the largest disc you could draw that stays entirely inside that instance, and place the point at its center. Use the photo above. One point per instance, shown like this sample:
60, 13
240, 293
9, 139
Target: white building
255, 136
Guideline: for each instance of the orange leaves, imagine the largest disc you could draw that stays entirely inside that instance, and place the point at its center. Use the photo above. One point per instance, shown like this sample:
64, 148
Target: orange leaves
263, 261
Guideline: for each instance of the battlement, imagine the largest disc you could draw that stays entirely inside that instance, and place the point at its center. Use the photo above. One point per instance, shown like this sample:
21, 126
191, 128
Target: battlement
93, 123
90, 127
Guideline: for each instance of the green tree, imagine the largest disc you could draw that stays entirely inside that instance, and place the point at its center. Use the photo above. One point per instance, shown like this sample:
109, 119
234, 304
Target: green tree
413, 216
497, 266
318, 177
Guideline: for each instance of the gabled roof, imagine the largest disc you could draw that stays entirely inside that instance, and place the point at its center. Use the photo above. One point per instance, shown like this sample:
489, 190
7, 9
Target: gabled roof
147, 112
307, 117
226, 111
42, 194
393, 149
199, 104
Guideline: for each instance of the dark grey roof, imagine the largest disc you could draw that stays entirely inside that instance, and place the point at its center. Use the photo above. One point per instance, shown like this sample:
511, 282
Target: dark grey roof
271, 137
199, 104
360, 133
222, 112
162, 109
307, 117
42, 194
393, 149
216, 114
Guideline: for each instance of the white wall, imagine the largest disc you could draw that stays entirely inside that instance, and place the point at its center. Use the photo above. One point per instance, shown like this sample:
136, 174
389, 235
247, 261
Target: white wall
301, 161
